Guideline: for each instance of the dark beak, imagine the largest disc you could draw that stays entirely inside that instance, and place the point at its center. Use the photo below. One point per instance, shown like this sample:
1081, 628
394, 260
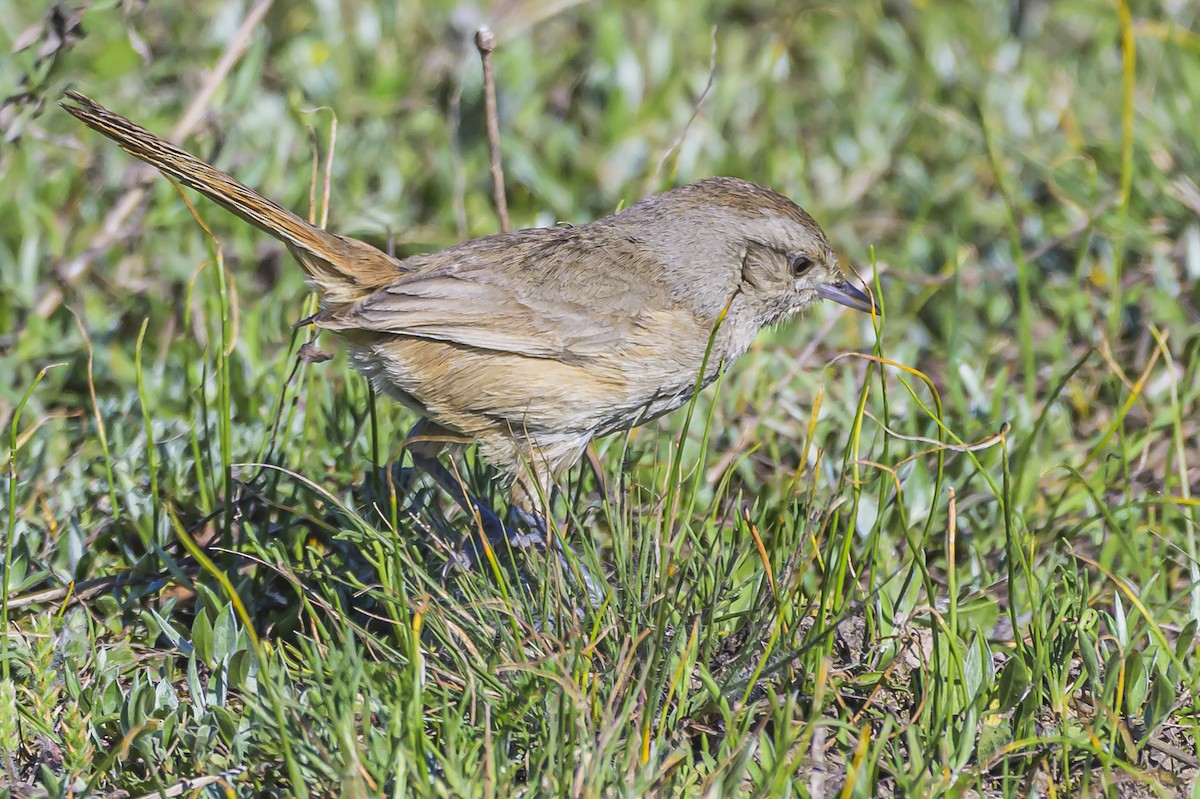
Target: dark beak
851, 296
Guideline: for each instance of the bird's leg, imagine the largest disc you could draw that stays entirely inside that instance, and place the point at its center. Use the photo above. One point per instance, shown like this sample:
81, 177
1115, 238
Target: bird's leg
528, 491
532, 488
525, 529
539, 534
526, 525
424, 443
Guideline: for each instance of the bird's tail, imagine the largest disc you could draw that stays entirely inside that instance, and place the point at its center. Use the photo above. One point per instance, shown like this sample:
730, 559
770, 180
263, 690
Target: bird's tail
340, 269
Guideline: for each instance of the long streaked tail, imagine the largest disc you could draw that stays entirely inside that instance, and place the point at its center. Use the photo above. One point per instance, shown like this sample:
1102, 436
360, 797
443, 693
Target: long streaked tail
342, 270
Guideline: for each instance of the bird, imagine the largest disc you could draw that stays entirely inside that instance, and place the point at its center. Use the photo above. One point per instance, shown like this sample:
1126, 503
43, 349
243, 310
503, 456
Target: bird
531, 344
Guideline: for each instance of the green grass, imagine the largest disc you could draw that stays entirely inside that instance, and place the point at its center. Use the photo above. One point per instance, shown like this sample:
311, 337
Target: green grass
962, 562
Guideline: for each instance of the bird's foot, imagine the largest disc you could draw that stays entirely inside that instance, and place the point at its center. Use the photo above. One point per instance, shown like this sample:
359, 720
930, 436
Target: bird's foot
524, 530
538, 534
488, 532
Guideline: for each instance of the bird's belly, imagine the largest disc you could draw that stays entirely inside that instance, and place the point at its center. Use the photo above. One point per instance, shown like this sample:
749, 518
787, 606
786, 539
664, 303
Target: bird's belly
478, 392
483, 393
660, 403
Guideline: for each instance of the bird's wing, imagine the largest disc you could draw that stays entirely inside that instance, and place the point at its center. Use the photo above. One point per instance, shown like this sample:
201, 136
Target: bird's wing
464, 309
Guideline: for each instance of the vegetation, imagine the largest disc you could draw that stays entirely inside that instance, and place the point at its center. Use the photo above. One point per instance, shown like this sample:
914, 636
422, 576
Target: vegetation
960, 560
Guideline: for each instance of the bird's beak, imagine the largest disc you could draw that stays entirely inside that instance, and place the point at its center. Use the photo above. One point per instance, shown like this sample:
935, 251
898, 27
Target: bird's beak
844, 293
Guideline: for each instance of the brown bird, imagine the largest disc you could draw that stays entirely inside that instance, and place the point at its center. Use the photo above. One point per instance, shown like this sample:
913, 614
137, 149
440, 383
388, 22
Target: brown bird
533, 343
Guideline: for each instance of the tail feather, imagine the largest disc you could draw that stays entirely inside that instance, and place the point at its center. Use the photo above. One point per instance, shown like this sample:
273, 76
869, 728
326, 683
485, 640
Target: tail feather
340, 269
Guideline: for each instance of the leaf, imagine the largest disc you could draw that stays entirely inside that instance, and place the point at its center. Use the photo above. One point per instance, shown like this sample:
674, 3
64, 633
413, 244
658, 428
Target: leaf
1087, 653
72, 684
1137, 682
225, 637
1183, 648
992, 738
199, 700
136, 708
218, 685
202, 637
1112, 672
57, 32
1161, 700
1014, 683
168, 631
968, 732
980, 670
311, 353
226, 722
110, 700
1120, 630
165, 697
239, 668
27, 37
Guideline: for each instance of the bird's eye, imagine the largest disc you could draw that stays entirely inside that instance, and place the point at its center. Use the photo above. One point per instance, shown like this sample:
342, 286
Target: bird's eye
800, 264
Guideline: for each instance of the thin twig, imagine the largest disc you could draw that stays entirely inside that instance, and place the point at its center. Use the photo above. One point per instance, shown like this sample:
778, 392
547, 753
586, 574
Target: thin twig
194, 784
113, 229
675, 145
83, 590
456, 159
328, 178
485, 41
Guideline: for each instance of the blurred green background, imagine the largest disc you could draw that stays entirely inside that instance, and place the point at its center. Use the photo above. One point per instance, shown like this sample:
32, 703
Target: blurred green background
1017, 179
